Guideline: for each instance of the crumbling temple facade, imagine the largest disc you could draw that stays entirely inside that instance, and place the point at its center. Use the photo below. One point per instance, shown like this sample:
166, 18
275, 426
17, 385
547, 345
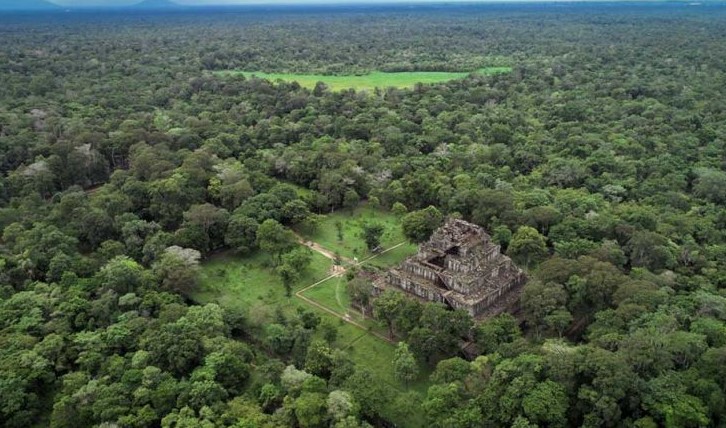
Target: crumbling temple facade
461, 267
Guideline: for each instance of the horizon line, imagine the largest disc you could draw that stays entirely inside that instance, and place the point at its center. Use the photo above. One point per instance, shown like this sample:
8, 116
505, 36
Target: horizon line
52, 4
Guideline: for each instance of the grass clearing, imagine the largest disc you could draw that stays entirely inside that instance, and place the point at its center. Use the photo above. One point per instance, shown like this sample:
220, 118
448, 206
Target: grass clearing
250, 283
394, 256
352, 245
332, 294
377, 79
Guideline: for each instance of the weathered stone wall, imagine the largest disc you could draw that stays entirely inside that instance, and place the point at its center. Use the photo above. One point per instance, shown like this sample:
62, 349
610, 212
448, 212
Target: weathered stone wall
409, 286
419, 270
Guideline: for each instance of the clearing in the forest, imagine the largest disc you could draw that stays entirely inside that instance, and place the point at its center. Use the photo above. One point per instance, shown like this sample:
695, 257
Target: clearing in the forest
250, 283
377, 79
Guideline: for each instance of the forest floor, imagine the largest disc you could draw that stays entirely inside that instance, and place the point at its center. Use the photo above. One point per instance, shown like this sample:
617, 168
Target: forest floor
370, 81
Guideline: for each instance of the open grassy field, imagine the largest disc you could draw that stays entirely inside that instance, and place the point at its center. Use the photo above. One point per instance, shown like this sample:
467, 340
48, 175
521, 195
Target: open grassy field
377, 79
352, 244
250, 283
331, 294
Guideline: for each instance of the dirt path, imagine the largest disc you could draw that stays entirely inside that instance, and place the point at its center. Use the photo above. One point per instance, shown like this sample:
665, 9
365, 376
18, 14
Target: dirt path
347, 319
339, 272
325, 252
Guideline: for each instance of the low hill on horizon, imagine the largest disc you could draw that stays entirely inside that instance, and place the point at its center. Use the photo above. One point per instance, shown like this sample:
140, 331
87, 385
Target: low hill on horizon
27, 5
156, 4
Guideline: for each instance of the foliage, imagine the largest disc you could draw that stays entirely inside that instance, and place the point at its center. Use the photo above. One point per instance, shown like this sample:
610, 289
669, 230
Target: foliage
405, 367
596, 163
372, 235
419, 225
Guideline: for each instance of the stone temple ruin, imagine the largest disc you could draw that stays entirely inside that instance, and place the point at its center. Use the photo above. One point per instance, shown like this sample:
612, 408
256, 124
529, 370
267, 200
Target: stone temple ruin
461, 267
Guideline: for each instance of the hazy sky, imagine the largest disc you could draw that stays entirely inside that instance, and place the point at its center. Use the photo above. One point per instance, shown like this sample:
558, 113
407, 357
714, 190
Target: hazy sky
202, 2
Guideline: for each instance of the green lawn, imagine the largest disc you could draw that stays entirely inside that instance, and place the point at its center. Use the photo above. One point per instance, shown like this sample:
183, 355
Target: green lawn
250, 282
332, 294
394, 256
369, 81
352, 245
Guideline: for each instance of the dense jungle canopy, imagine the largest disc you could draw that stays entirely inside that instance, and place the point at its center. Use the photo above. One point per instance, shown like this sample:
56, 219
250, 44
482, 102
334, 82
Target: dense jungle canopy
128, 162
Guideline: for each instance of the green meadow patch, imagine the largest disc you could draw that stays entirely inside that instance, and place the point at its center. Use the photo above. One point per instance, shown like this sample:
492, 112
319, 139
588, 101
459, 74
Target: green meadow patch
342, 232
377, 79
250, 282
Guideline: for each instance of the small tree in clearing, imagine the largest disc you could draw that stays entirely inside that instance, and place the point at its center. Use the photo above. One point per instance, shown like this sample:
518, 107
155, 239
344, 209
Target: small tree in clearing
405, 367
372, 235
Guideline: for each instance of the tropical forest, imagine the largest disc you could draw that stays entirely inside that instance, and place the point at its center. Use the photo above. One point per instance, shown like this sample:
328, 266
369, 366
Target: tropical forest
198, 206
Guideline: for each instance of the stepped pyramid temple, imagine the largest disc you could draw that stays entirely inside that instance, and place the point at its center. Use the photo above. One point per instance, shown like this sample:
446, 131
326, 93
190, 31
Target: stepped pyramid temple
461, 267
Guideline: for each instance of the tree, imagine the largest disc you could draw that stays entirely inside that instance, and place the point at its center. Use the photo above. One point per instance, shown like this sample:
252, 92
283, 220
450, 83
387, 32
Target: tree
423, 343
293, 264
502, 236
275, 239
527, 247
299, 258
170, 197
319, 359
289, 276
310, 410
122, 275
441, 403
339, 230
451, 370
360, 291
711, 184
494, 332
176, 347
490, 204
419, 225
229, 368
667, 399
210, 221
295, 212
547, 404
559, 320
341, 405
37, 246
650, 250
387, 307
241, 234
398, 209
372, 235
351, 199
405, 367
540, 301
177, 269
371, 395
292, 380
446, 328
329, 331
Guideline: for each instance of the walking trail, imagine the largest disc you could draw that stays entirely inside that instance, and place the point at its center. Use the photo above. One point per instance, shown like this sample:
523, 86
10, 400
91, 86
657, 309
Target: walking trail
337, 272
325, 252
